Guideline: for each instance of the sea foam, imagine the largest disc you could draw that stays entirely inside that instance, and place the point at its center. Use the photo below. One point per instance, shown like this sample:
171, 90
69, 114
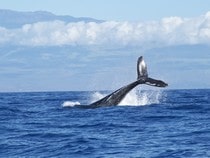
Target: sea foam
70, 103
141, 98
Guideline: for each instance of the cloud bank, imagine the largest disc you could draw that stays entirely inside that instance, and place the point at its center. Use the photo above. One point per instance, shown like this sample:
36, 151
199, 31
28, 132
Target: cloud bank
167, 31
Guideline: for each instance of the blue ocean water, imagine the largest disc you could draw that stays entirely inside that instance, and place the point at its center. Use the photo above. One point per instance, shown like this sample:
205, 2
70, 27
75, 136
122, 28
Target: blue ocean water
171, 123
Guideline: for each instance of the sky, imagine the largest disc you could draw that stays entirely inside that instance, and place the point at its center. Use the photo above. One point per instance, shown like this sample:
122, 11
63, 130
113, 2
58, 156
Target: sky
118, 10
173, 36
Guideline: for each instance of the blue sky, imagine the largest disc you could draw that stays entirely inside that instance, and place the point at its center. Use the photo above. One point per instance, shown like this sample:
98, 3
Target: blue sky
173, 36
123, 10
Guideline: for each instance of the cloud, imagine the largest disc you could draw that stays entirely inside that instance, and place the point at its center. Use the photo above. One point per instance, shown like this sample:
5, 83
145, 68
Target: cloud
167, 31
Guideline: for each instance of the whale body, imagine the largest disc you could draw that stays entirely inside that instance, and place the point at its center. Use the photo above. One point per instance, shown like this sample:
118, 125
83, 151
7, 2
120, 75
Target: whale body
117, 96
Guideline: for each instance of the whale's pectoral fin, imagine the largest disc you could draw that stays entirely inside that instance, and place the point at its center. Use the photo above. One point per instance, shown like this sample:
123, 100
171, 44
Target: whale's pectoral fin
154, 82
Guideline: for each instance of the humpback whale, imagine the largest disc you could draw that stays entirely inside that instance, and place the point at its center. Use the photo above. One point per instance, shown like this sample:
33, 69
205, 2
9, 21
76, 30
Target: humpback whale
117, 96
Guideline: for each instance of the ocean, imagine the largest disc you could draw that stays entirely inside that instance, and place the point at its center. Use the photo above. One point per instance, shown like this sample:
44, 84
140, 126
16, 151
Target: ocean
147, 124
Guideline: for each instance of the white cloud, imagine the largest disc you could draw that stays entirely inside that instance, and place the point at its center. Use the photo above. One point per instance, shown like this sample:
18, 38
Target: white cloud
167, 31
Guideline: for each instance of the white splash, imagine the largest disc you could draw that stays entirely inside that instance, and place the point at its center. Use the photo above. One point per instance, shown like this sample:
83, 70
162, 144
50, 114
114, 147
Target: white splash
141, 98
97, 96
70, 103
134, 98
